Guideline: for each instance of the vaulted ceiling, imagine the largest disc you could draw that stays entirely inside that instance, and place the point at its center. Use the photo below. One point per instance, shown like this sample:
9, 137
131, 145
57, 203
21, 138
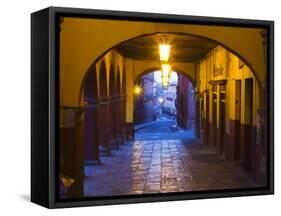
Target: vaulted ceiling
184, 48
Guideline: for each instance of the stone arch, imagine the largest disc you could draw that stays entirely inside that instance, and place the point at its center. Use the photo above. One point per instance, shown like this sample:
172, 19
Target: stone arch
174, 69
90, 85
260, 76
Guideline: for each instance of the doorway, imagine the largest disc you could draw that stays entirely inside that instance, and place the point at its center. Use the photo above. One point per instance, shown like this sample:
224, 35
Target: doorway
247, 126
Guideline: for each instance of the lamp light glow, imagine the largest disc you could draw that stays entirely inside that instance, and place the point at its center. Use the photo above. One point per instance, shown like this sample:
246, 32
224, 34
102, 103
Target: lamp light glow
137, 90
161, 100
165, 81
166, 69
164, 50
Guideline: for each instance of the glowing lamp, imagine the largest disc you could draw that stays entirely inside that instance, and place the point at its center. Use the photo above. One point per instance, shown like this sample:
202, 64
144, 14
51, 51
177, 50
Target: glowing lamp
137, 90
161, 100
164, 50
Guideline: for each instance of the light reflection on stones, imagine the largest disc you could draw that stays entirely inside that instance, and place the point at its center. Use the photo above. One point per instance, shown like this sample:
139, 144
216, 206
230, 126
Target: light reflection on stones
161, 166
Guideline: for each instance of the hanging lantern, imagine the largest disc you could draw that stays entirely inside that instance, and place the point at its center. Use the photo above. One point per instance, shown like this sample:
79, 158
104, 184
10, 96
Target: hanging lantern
164, 50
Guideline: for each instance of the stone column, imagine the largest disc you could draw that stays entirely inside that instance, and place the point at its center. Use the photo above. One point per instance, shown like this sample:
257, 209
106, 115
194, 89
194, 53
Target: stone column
118, 118
129, 117
112, 123
123, 117
91, 132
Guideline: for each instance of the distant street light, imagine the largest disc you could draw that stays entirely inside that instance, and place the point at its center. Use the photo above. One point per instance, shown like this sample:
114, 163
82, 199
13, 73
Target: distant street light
160, 100
137, 90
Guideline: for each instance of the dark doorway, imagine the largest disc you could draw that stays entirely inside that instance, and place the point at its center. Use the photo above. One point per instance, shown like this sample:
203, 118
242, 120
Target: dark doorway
247, 127
214, 116
222, 120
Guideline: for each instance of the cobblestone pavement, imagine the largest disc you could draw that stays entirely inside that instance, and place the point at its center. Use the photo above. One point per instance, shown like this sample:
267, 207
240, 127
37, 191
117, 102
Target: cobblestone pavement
160, 166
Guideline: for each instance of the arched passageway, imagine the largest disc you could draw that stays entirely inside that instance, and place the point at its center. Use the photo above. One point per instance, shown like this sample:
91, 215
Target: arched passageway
164, 111
227, 92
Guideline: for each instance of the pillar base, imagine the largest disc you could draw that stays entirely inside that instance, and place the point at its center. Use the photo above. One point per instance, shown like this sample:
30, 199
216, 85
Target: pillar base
130, 132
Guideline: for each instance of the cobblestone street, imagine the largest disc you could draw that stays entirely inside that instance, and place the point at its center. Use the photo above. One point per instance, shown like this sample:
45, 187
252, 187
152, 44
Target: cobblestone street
160, 166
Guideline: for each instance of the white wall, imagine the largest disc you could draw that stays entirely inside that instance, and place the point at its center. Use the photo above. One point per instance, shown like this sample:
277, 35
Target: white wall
15, 107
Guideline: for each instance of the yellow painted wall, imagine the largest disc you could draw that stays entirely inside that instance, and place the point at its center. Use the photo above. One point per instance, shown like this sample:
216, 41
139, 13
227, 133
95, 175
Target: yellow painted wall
231, 71
83, 40
129, 64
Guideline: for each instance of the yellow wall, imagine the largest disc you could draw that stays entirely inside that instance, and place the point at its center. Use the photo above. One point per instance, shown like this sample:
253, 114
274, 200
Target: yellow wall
130, 90
227, 63
83, 40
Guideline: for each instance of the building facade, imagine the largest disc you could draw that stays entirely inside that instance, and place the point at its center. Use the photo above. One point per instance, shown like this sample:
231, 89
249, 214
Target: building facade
170, 95
185, 103
144, 103
229, 111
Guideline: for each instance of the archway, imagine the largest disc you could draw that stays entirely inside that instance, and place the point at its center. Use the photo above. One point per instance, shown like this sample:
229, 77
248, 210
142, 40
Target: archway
260, 75
164, 111
203, 99
115, 105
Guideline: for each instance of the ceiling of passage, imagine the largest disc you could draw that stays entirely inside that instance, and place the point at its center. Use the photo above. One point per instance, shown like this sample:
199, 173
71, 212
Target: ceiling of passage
184, 48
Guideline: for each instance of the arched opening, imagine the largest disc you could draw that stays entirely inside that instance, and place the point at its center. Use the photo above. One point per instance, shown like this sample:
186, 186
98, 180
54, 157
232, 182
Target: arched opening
185, 34
164, 112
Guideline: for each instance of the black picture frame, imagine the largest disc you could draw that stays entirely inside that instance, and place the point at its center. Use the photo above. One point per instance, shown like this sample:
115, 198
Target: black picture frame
45, 105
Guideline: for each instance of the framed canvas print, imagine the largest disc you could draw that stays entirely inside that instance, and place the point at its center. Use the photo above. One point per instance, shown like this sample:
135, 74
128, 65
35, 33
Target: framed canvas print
139, 107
